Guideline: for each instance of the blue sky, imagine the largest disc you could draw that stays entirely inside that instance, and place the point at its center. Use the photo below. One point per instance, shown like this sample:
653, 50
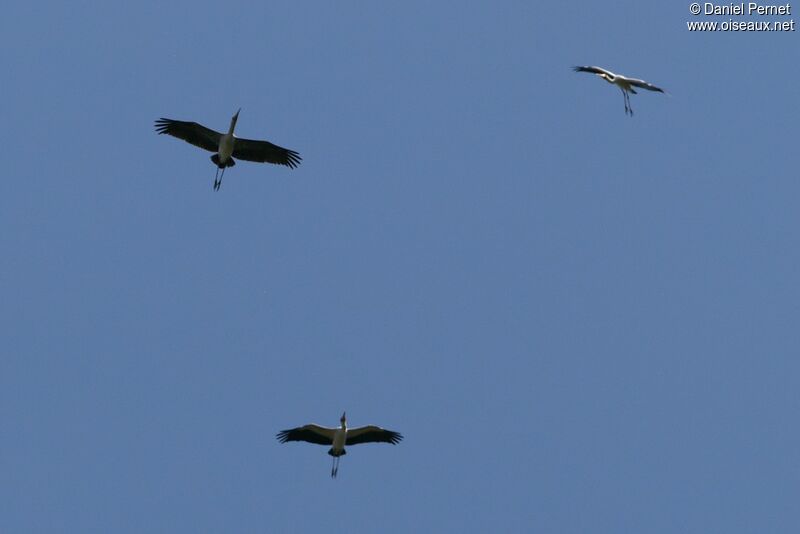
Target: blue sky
580, 321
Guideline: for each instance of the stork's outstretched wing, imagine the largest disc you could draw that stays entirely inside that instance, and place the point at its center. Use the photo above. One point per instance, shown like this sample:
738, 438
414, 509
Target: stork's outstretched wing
372, 434
644, 85
265, 152
310, 433
594, 70
191, 132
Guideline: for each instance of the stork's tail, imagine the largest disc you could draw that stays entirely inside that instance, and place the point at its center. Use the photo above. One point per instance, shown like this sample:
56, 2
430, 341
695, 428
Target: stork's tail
337, 454
230, 163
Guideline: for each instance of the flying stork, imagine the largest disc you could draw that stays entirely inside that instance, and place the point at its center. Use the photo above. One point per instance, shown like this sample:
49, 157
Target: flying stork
337, 438
624, 83
227, 146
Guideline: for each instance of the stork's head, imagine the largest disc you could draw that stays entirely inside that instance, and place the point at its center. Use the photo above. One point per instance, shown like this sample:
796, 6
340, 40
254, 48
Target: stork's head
234, 119
343, 420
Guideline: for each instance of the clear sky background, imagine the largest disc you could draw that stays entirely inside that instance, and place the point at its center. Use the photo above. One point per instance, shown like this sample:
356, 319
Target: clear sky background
580, 321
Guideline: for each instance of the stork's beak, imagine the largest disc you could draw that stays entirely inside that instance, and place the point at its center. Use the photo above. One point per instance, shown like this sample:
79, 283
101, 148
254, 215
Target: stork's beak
237, 113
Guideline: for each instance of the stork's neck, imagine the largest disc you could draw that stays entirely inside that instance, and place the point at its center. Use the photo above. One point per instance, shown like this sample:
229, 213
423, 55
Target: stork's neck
233, 125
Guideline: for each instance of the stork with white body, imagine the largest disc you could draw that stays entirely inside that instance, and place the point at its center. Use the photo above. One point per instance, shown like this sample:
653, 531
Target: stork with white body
340, 437
625, 84
227, 146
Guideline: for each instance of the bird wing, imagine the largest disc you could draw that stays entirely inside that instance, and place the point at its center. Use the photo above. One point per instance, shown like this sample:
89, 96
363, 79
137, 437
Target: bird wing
644, 85
310, 433
594, 70
265, 152
372, 434
191, 132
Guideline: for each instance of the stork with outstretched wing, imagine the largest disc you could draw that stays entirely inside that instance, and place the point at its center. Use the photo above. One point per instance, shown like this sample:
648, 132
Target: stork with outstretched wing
227, 146
340, 437
625, 84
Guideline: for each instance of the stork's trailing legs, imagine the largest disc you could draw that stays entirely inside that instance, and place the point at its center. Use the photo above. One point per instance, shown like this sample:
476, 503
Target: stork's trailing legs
627, 99
335, 466
218, 179
624, 99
